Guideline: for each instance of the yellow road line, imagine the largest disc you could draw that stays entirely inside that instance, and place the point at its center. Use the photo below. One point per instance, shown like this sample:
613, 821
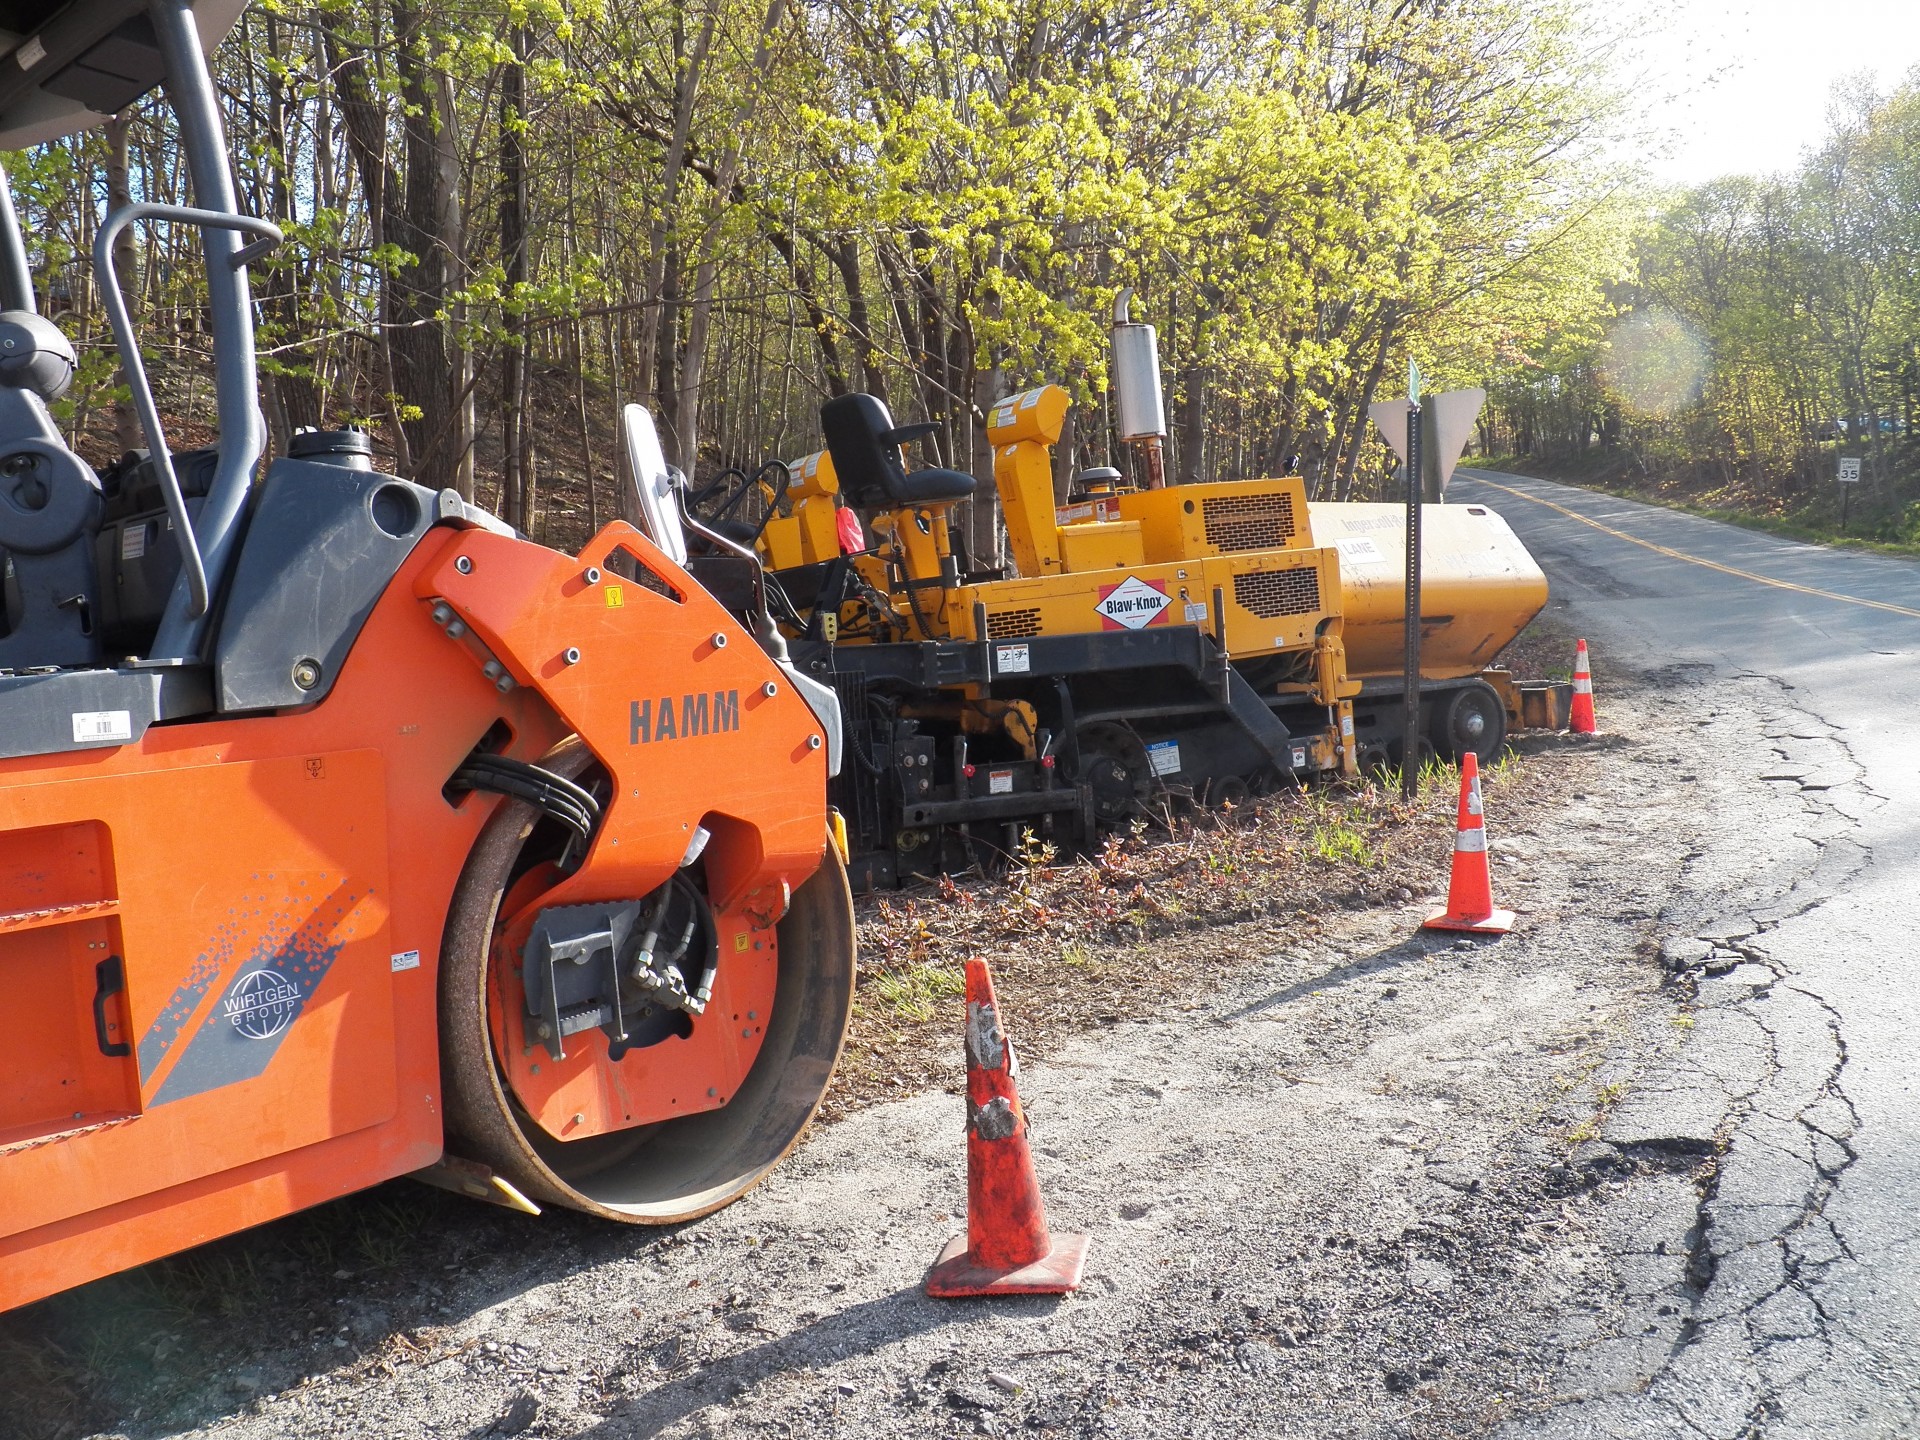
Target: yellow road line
1696, 560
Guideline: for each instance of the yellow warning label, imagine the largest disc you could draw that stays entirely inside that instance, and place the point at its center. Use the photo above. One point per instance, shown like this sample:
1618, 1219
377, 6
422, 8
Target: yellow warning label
740, 941
616, 597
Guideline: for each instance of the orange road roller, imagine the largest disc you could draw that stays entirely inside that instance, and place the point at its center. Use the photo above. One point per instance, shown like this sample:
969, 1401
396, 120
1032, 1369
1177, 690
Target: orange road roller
345, 833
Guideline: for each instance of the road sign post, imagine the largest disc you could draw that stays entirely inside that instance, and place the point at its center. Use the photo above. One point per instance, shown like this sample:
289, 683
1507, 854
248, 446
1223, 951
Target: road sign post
1428, 439
1849, 476
1410, 741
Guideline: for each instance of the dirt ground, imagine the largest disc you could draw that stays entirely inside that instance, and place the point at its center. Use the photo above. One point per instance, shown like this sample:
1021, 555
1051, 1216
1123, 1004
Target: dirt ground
1340, 1174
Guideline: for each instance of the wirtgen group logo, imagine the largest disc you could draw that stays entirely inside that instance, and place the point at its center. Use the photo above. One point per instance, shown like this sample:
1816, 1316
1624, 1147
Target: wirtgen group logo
262, 1003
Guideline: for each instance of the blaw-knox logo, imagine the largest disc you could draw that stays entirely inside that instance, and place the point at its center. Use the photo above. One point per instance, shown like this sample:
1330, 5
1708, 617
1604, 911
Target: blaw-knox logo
701, 714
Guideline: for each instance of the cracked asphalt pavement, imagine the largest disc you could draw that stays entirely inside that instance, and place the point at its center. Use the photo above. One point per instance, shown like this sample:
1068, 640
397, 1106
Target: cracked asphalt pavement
1765, 1285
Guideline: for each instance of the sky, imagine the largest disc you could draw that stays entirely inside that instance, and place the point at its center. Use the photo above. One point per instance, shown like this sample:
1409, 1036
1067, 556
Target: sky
1744, 83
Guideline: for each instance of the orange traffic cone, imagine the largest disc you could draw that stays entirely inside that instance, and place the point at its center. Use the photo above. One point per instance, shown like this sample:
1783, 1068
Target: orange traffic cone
1580, 717
1470, 895
1006, 1250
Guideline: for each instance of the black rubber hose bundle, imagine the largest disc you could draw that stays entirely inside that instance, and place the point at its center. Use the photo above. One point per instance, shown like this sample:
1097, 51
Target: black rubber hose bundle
571, 804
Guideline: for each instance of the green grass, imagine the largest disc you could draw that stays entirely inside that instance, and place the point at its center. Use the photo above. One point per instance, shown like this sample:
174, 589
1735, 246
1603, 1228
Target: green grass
914, 992
1337, 841
1075, 954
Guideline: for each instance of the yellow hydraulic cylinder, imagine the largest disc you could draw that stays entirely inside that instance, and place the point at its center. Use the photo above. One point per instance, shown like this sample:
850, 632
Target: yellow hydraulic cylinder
1022, 428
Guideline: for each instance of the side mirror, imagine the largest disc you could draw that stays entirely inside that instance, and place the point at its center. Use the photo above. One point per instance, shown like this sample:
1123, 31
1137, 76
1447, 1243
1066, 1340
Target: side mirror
652, 481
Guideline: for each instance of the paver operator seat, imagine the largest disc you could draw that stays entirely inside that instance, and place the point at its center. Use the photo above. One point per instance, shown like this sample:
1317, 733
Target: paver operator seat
865, 445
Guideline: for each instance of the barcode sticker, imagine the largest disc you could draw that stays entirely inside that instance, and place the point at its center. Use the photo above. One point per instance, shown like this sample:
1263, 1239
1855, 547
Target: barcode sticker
91, 727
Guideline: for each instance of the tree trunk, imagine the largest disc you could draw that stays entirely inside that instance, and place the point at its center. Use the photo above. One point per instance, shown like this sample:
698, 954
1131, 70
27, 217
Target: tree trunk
832, 365
659, 290
1191, 428
516, 502
693, 369
426, 223
846, 259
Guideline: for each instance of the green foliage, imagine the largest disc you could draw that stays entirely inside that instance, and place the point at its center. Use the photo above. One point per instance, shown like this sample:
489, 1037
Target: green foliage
1768, 328
1339, 842
733, 209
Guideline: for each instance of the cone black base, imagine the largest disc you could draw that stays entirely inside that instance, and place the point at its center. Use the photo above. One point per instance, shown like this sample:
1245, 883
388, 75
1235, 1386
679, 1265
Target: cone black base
955, 1276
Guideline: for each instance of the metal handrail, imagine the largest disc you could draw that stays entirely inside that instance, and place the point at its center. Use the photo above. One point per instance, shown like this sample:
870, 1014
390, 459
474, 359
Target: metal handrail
191, 564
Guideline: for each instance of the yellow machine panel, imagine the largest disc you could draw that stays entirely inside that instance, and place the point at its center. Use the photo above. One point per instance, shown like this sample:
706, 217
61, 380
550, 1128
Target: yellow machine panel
1021, 428
1479, 587
809, 535
1097, 545
1272, 601
1185, 522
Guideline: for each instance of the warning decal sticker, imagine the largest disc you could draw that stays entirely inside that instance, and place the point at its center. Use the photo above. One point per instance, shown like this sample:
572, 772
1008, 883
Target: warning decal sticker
1133, 604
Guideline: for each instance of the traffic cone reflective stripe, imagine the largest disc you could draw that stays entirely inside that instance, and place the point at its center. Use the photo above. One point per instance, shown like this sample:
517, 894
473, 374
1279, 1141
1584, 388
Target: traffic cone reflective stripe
1470, 890
1580, 717
1007, 1249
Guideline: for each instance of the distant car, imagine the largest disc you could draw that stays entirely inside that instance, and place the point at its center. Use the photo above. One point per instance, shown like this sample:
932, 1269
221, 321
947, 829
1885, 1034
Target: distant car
1862, 425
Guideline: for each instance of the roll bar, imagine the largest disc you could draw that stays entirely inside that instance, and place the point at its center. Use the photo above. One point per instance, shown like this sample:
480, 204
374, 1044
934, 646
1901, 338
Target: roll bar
192, 564
243, 429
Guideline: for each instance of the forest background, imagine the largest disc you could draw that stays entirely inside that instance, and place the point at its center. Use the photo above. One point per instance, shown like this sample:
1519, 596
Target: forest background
508, 218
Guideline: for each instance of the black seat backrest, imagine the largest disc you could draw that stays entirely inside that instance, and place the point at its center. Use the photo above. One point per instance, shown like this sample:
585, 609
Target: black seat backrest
865, 445
134, 552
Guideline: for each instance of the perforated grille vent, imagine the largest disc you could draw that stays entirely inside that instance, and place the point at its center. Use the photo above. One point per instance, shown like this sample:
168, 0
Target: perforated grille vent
1011, 624
1273, 593
1248, 522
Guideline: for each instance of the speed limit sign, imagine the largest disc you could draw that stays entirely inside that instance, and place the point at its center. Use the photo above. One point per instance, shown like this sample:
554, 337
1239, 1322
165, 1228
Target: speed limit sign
1849, 469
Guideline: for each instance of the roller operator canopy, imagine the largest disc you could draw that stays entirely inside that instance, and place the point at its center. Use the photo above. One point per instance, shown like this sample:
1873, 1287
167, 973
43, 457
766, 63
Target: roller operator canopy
66, 65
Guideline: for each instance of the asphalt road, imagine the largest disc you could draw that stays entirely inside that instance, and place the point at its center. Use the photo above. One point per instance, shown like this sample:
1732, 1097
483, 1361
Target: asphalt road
1791, 1306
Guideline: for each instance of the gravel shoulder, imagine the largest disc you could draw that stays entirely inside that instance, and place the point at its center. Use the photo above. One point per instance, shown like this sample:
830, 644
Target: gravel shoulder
1342, 1178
